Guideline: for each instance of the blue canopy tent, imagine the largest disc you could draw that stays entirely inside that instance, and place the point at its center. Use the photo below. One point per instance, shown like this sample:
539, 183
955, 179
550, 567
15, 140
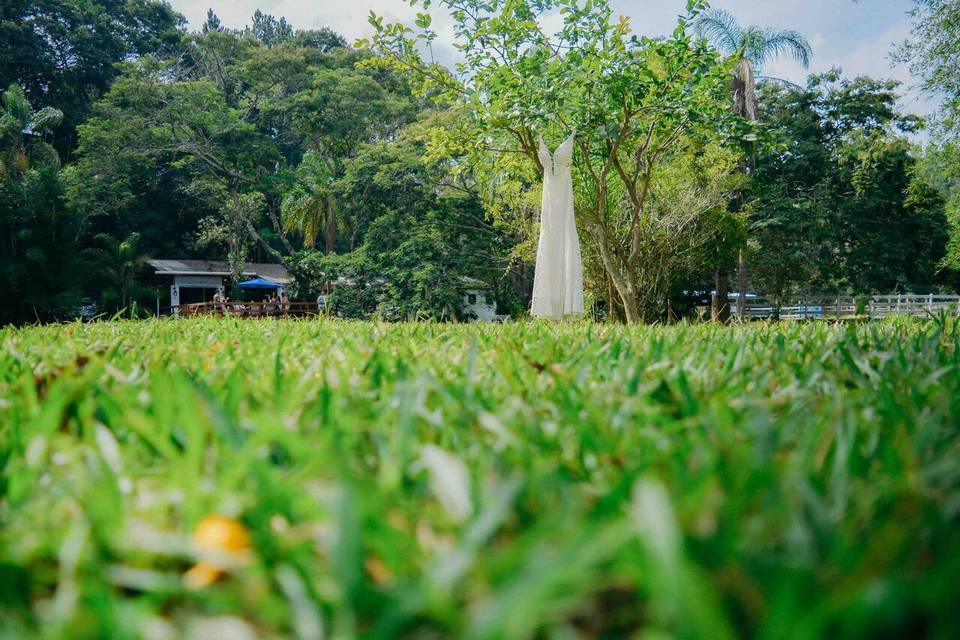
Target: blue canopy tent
258, 283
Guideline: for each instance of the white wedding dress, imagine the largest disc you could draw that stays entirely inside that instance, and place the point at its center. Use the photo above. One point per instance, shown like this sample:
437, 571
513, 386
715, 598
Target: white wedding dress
558, 279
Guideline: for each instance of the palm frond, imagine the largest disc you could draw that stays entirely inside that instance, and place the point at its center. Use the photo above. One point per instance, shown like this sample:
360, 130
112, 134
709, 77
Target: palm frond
759, 46
781, 82
304, 213
754, 42
15, 103
784, 42
127, 249
720, 28
304, 208
44, 120
10, 128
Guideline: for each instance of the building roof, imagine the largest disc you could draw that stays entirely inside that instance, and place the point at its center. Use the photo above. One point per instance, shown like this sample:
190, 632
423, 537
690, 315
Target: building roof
473, 283
275, 272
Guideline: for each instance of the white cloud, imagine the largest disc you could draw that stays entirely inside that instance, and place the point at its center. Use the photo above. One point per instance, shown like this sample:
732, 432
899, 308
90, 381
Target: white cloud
348, 17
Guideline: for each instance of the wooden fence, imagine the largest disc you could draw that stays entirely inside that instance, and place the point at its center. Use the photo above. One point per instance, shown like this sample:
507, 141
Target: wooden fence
845, 307
813, 308
249, 309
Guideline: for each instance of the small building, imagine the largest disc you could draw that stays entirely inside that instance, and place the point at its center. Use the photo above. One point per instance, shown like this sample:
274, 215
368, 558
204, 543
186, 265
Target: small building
192, 281
198, 280
478, 301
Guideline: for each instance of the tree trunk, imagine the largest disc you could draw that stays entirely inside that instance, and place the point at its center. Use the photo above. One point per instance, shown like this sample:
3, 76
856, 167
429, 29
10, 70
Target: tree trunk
256, 237
741, 287
721, 302
744, 90
278, 228
622, 282
630, 308
628, 298
612, 315
331, 231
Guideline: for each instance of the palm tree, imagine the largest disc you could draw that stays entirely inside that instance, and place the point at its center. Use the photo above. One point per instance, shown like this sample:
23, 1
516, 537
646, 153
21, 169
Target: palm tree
753, 47
21, 133
119, 261
309, 208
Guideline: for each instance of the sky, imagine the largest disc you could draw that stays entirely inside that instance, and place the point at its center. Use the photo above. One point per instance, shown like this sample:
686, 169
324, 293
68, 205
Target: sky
856, 35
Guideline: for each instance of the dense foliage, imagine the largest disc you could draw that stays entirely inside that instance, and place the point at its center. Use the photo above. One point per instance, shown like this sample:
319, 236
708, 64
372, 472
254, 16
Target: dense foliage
414, 236
752, 48
500, 481
34, 223
941, 166
839, 202
637, 104
240, 145
934, 56
933, 53
126, 137
63, 53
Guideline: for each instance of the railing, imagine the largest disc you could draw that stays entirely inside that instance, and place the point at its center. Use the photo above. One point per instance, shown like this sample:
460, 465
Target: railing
814, 308
846, 307
250, 309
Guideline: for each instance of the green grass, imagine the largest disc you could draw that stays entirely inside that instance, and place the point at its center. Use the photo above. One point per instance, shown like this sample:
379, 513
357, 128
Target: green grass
515, 481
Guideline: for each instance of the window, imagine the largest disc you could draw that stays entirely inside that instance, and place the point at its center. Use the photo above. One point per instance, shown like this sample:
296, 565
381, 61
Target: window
471, 298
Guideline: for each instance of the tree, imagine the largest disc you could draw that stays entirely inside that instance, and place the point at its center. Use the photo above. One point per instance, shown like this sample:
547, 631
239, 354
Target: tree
414, 237
940, 165
692, 229
148, 123
212, 23
840, 203
752, 47
64, 53
234, 111
349, 280
269, 31
324, 39
22, 132
37, 233
934, 56
118, 263
234, 216
634, 101
340, 111
305, 206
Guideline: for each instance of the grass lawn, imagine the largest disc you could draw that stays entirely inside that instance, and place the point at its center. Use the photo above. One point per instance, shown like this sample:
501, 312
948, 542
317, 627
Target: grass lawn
500, 481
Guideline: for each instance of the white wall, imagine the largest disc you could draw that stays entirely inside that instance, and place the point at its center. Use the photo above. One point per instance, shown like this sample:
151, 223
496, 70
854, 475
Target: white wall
484, 308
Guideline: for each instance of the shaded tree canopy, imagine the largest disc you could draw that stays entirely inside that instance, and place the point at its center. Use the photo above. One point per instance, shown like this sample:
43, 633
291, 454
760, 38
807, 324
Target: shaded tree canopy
123, 136
839, 204
634, 101
933, 53
63, 53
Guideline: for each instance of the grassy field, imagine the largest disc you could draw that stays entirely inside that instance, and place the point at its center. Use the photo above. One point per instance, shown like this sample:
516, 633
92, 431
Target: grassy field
511, 481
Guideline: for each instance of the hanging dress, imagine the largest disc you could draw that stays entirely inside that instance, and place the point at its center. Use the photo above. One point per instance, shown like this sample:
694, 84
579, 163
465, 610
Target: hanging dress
558, 278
